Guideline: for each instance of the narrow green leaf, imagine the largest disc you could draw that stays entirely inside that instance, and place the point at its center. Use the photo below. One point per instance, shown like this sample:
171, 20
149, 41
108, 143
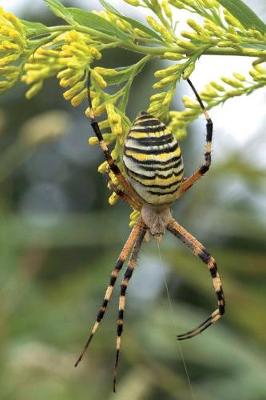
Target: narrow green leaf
94, 21
34, 28
133, 22
60, 10
109, 7
122, 76
244, 14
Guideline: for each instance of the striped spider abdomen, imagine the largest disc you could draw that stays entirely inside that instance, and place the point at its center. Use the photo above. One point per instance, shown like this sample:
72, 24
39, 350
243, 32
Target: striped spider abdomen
153, 160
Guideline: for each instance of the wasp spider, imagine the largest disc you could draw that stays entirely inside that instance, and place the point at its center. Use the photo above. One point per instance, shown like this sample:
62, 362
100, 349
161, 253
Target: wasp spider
153, 181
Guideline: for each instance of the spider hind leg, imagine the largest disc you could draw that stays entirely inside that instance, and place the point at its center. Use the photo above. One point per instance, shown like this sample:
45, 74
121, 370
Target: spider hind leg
200, 251
122, 299
109, 291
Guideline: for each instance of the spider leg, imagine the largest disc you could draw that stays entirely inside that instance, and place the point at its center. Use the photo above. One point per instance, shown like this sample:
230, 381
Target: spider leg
109, 291
122, 299
207, 155
127, 188
200, 251
124, 196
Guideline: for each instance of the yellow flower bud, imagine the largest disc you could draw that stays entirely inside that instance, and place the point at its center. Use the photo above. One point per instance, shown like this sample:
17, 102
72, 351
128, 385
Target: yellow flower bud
232, 82
166, 8
180, 133
99, 110
103, 168
34, 90
166, 71
106, 71
93, 141
210, 4
65, 73
224, 43
104, 124
164, 82
113, 199
259, 68
188, 71
72, 80
134, 3
154, 107
232, 37
190, 35
195, 26
8, 59
186, 44
172, 56
79, 98
238, 76
98, 78
209, 91
73, 90
190, 103
123, 25
210, 26
232, 21
217, 86
95, 53
158, 96
153, 23
134, 216
140, 33
168, 98
189, 113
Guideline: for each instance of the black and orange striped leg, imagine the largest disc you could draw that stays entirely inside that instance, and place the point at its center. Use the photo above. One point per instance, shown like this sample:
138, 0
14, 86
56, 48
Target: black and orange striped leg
122, 299
200, 251
136, 231
127, 188
124, 196
208, 147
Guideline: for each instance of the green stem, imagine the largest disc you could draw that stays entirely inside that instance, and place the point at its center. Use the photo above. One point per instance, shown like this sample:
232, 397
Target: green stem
159, 50
136, 68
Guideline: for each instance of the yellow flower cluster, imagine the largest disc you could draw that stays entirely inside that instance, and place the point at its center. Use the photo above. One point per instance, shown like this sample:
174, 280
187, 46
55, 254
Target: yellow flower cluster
12, 45
160, 102
41, 65
75, 57
68, 57
231, 34
215, 93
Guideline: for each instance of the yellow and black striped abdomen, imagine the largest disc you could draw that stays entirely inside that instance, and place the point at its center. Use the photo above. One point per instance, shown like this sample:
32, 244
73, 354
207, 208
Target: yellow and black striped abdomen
153, 161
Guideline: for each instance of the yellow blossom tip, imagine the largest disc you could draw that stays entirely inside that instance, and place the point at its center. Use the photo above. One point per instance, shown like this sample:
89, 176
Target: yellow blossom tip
93, 141
103, 168
113, 199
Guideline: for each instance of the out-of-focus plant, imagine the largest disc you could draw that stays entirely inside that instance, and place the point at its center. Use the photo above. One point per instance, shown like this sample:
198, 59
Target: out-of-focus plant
32, 52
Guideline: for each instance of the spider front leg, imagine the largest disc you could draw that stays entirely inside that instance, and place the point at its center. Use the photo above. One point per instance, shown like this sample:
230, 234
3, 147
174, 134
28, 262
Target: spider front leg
200, 251
122, 299
109, 291
132, 201
128, 193
208, 146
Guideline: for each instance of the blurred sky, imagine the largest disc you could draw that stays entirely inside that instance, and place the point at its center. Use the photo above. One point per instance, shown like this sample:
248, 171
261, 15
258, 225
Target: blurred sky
237, 122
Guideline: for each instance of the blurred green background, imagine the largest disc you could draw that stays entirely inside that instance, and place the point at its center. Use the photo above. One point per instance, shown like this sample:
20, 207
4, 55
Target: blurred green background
59, 240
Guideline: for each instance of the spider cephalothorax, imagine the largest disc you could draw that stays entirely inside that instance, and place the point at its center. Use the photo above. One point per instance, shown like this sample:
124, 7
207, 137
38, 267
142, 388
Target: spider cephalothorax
153, 181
